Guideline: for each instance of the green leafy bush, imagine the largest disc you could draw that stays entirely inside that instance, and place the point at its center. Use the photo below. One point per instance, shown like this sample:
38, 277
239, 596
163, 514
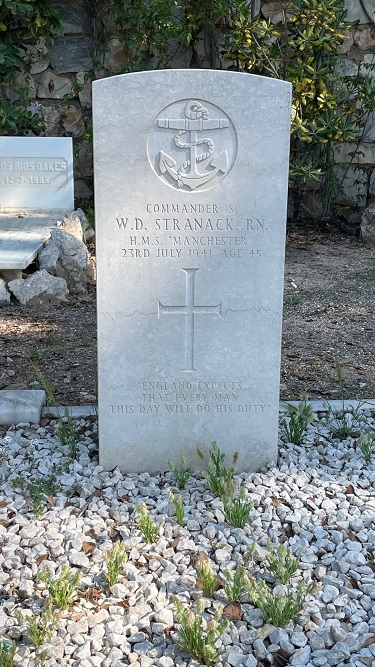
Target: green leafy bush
327, 107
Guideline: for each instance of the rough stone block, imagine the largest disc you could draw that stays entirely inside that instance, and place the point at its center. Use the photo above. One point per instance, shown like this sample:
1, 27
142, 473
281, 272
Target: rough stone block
21, 406
53, 86
364, 38
368, 225
40, 289
66, 256
71, 54
351, 153
4, 294
362, 10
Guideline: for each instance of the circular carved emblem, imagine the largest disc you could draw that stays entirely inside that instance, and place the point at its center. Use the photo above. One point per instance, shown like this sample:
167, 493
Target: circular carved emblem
192, 145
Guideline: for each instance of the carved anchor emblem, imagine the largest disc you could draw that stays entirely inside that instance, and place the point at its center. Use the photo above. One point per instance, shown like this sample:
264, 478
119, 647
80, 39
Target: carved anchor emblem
197, 120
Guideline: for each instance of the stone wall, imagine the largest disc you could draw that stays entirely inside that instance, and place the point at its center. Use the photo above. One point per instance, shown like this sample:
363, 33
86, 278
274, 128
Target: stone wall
60, 81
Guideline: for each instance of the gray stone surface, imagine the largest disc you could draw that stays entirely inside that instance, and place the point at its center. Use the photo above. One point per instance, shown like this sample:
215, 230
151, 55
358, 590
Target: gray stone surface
72, 224
76, 17
66, 256
22, 233
4, 294
368, 225
363, 10
36, 172
190, 225
71, 53
53, 86
39, 289
21, 406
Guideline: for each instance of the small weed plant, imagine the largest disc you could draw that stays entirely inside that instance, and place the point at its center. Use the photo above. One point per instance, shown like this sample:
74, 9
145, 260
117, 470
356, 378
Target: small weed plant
367, 445
53, 339
181, 474
236, 584
219, 478
279, 609
38, 489
345, 422
66, 425
197, 636
116, 558
7, 654
63, 588
207, 577
67, 432
282, 562
148, 527
297, 420
237, 509
178, 505
39, 629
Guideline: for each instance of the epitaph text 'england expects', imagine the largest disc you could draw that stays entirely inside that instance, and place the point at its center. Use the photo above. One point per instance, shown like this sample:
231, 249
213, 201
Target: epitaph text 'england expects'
191, 188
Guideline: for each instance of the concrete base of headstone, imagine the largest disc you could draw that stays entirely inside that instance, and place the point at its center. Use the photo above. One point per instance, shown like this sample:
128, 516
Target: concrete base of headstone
75, 411
21, 406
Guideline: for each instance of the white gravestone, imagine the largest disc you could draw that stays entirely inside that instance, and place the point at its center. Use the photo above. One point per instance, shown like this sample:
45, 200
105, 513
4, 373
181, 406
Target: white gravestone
36, 172
36, 191
191, 172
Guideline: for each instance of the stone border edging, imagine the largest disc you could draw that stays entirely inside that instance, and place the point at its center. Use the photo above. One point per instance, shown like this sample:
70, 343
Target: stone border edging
26, 405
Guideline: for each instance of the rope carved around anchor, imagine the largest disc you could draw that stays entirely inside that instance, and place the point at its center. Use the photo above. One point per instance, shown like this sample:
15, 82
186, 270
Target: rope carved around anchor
193, 110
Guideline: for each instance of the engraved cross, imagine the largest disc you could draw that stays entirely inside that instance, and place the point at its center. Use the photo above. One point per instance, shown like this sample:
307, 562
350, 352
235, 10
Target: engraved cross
189, 311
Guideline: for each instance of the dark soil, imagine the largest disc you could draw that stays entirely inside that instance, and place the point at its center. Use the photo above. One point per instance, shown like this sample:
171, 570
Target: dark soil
329, 319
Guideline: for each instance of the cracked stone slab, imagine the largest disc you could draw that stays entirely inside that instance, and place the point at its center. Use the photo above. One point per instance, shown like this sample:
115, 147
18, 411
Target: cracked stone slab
24, 405
23, 232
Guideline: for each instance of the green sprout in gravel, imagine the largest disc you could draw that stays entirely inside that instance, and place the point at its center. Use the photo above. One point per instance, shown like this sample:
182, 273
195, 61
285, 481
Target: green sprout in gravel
197, 636
148, 527
207, 577
67, 432
237, 509
236, 584
62, 588
219, 478
39, 629
298, 418
282, 562
367, 445
280, 608
347, 421
66, 425
178, 505
115, 557
181, 473
7, 654
344, 423
38, 489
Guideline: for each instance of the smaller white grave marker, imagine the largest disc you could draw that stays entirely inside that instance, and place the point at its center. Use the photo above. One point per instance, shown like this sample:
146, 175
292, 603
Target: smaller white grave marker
36, 191
36, 172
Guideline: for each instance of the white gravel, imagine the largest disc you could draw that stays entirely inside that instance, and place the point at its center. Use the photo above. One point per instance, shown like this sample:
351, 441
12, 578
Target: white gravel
319, 500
